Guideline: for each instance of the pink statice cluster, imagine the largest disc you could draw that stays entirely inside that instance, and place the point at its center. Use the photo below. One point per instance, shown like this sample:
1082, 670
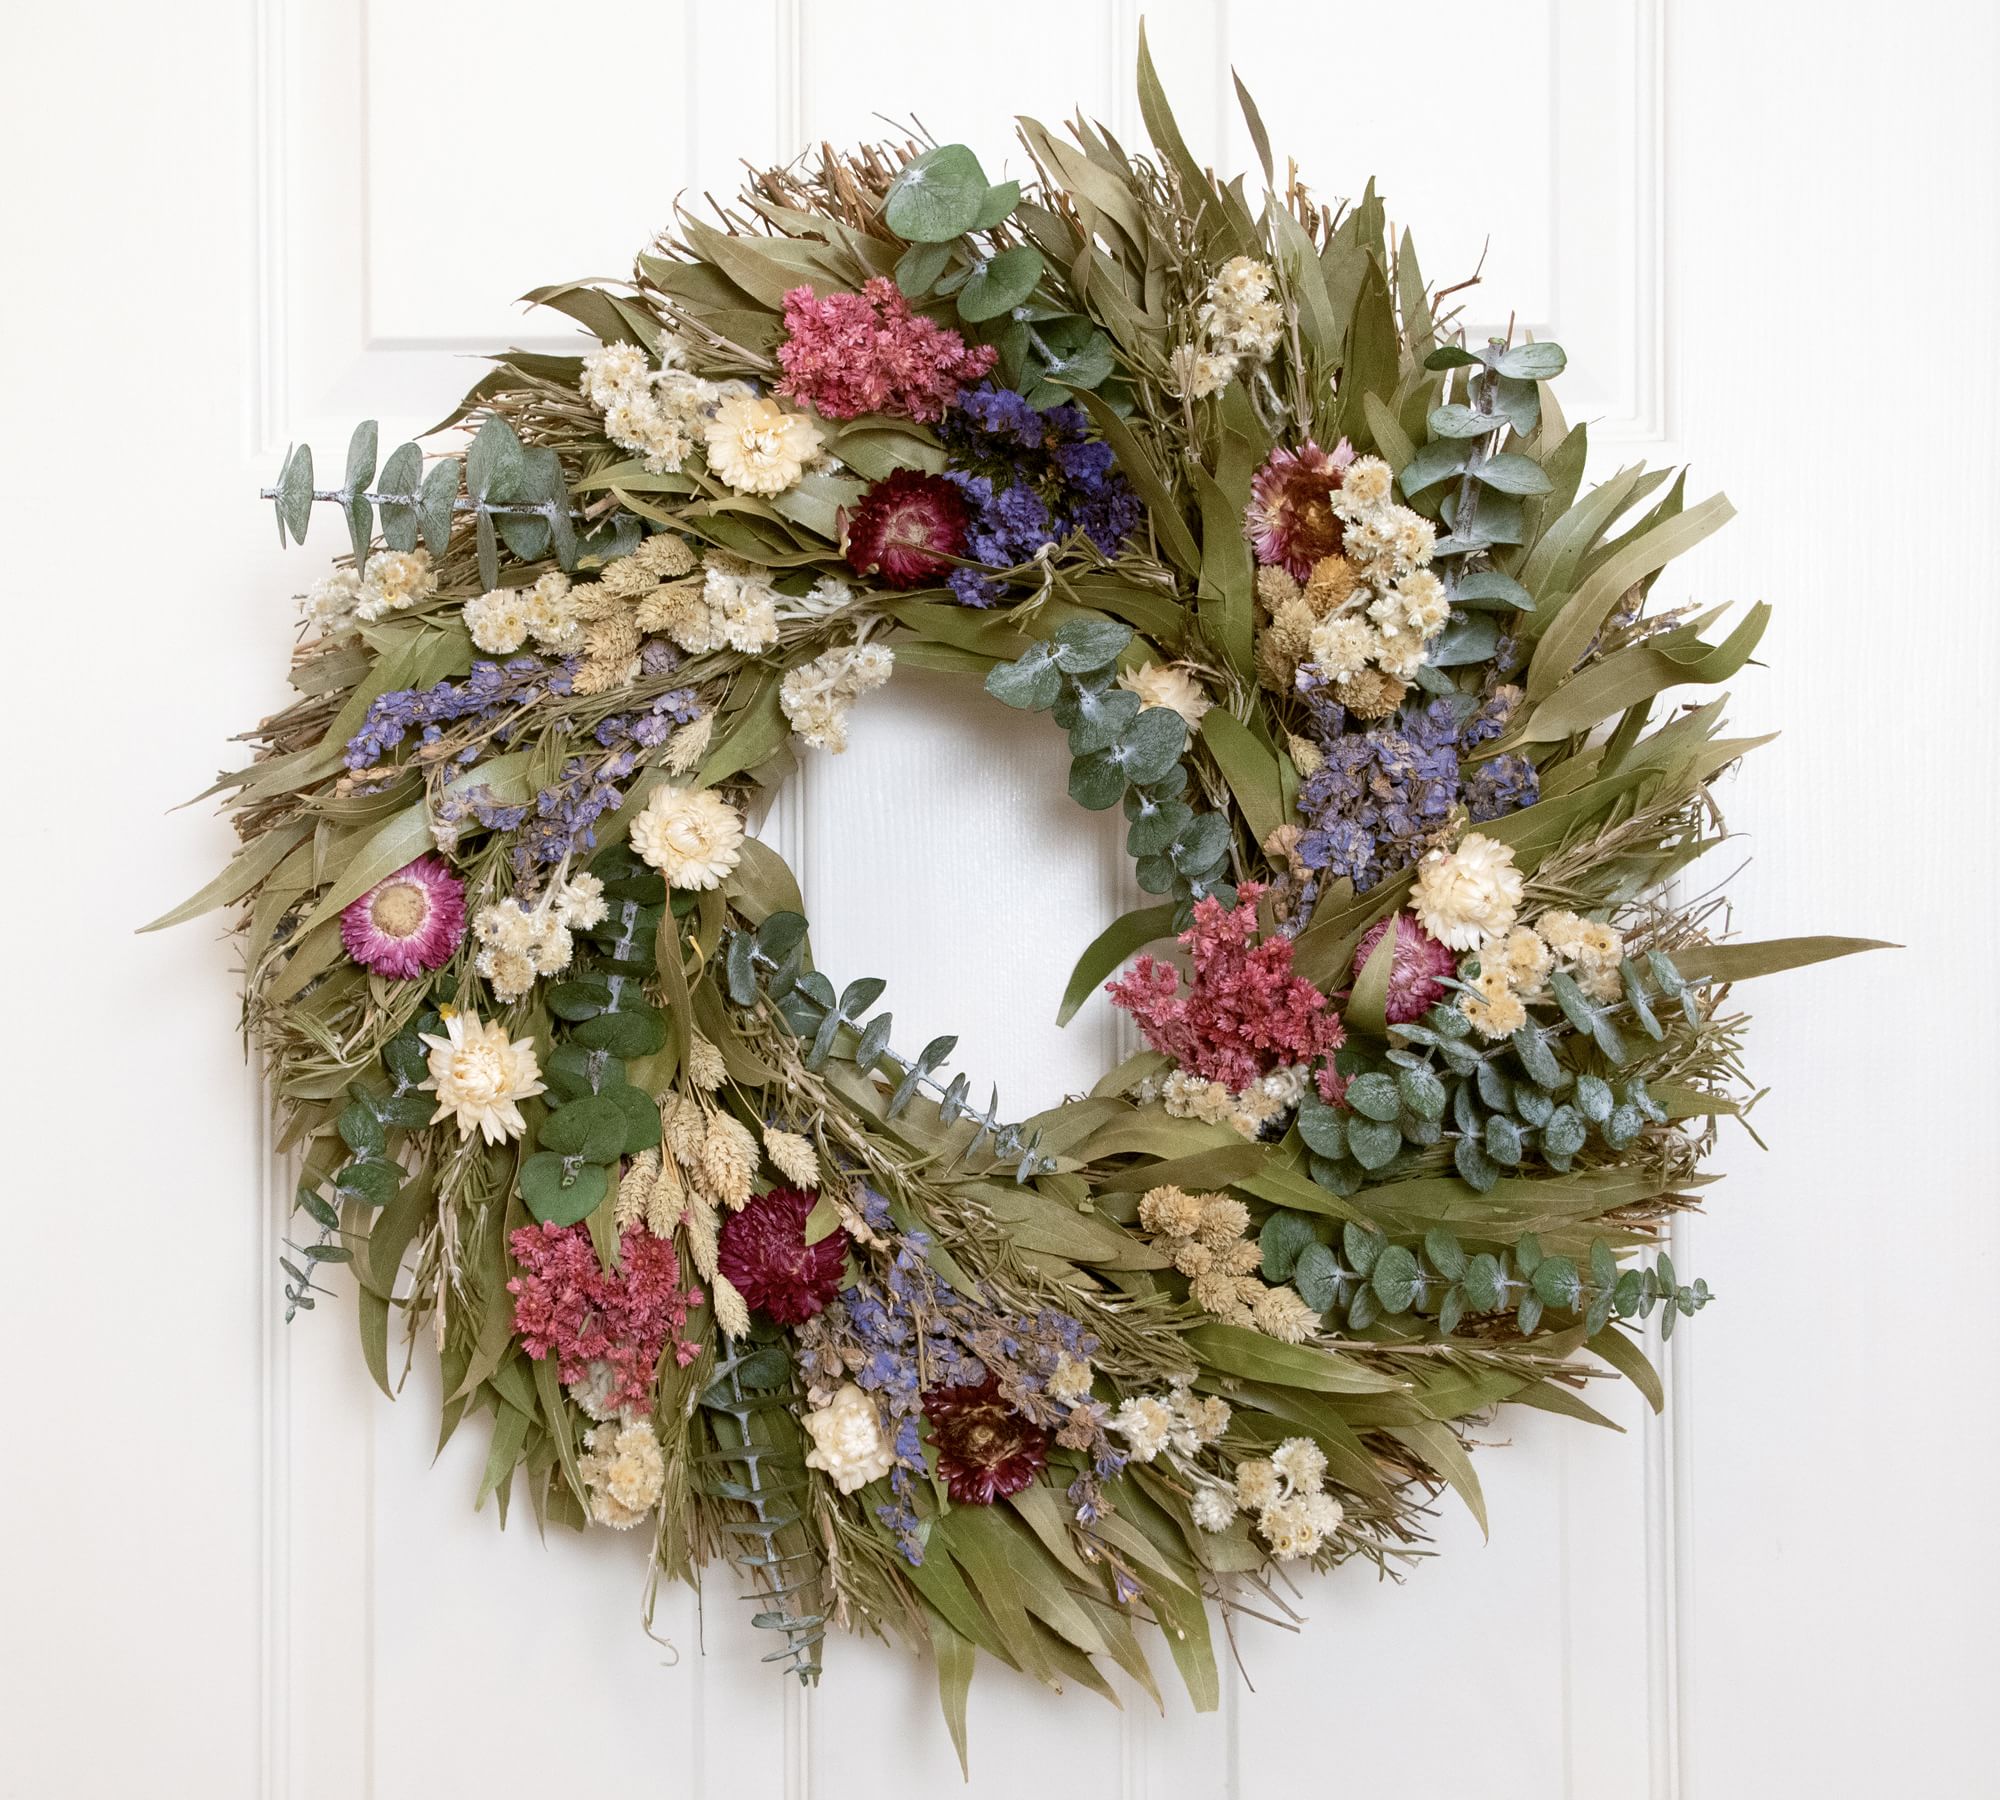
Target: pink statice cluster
567, 1306
1244, 1013
850, 354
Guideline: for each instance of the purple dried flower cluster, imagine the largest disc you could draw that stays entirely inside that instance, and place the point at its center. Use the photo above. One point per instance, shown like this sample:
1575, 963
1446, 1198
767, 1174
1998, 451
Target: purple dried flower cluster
904, 1330
1373, 805
565, 815
490, 690
1030, 478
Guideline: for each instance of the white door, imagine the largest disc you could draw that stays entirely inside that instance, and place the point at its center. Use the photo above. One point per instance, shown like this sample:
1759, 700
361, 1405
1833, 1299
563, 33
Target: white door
1766, 235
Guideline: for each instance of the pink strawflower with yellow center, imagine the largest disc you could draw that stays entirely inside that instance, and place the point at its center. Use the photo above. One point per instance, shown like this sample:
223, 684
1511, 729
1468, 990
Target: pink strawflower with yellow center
408, 924
1291, 521
850, 354
1244, 1012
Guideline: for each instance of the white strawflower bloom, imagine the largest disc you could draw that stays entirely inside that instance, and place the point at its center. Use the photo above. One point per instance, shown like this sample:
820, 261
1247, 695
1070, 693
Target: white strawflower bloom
1258, 1484
1198, 373
1465, 896
330, 602
1426, 605
1526, 960
1344, 645
551, 612
816, 695
1300, 1461
626, 1472
1366, 481
509, 973
1292, 1527
580, 903
756, 447
392, 580
847, 1440
1187, 1096
693, 836
1198, 1421
1213, 1508
1493, 1007
1239, 315
498, 621
480, 1076
1167, 686
1145, 1424
1069, 1380
654, 412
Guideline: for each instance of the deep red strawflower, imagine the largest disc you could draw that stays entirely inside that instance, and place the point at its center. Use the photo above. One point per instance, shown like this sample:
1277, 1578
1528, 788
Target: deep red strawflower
1290, 520
1414, 985
763, 1251
906, 529
986, 1450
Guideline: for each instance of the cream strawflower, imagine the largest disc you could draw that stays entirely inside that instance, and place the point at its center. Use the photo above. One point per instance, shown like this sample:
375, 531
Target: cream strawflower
626, 1472
1465, 896
693, 836
1069, 1381
756, 447
847, 1440
1493, 1007
1171, 687
1212, 1508
498, 621
1145, 1424
1366, 481
480, 1076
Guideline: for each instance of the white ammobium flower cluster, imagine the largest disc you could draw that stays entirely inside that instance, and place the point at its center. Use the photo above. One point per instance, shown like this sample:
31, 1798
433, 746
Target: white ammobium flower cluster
1514, 972
504, 619
756, 447
1285, 1493
1169, 686
1394, 604
1206, 1235
1178, 1420
655, 413
1260, 1104
816, 695
848, 1442
1240, 320
520, 943
693, 836
481, 1076
734, 608
388, 582
625, 1470
1467, 896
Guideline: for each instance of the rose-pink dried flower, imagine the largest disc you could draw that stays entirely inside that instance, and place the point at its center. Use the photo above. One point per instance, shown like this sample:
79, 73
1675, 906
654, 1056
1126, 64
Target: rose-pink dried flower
568, 1307
1244, 1012
1414, 984
849, 354
408, 923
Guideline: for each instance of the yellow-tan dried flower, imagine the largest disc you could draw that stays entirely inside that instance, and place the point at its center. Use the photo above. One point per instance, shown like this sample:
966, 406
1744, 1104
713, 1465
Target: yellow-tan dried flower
792, 1155
683, 1128
1280, 1313
667, 1200
1331, 585
728, 1165
1276, 585
732, 1317
705, 1067
662, 555
1223, 1220
1307, 757
1370, 694
689, 745
1192, 1257
635, 1189
1170, 1212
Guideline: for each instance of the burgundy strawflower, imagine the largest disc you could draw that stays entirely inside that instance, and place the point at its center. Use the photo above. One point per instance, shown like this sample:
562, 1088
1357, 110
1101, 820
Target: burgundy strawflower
907, 528
986, 1450
1414, 987
567, 1306
1244, 1012
851, 354
1290, 520
764, 1253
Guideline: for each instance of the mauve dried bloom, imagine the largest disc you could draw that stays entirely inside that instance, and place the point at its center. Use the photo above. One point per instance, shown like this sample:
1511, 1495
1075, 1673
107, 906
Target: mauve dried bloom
1244, 1012
1414, 977
850, 354
567, 1306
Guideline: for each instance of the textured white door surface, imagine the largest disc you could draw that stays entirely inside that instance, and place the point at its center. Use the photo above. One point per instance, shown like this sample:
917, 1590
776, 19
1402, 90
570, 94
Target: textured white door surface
1766, 234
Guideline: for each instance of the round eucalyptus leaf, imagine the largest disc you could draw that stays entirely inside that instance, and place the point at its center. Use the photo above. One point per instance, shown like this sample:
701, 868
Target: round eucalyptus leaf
1000, 284
1395, 1280
557, 1192
1316, 1275
638, 1031
1374, 1096
1322, 1128
1373, 1143
1284, 1235
592, 1128
937, 197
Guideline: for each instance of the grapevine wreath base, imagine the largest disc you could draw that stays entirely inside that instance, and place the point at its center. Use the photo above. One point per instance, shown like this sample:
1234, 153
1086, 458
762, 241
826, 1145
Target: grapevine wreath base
1313, 585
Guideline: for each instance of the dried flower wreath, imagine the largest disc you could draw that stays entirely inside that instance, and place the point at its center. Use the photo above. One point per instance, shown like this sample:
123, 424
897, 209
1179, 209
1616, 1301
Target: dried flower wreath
1316, 591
